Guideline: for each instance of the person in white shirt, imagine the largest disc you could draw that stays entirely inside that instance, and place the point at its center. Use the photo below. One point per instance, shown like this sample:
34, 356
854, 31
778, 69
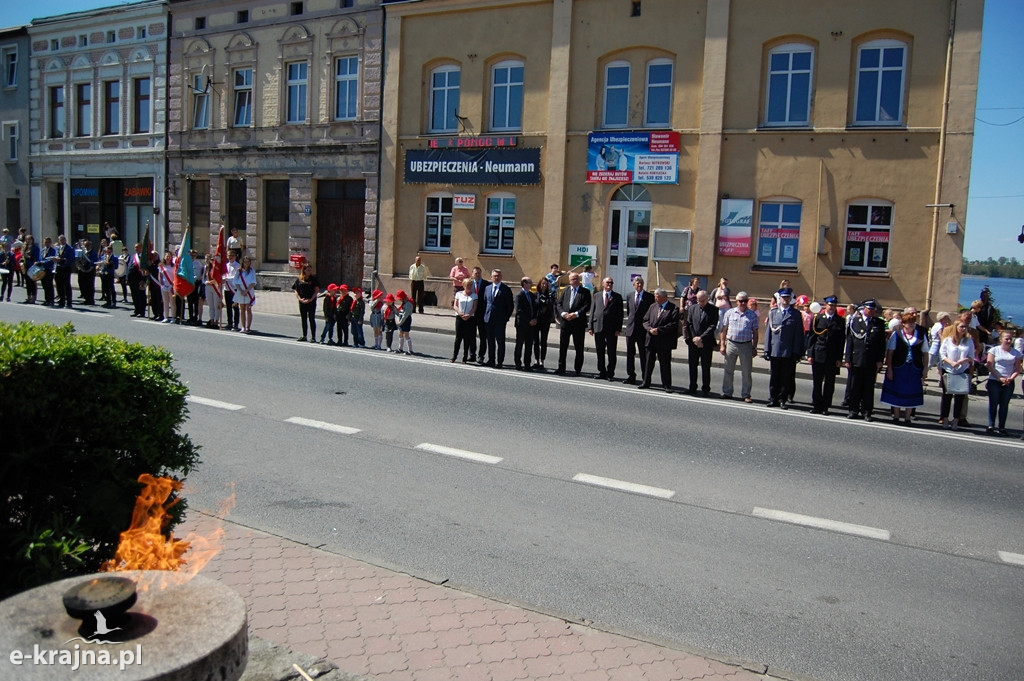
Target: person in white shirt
956, 353
1004, 366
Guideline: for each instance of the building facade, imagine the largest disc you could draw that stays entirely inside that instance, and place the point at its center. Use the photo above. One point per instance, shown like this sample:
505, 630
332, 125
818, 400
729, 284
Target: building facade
274, 121
96, 122
14, 88
824, 143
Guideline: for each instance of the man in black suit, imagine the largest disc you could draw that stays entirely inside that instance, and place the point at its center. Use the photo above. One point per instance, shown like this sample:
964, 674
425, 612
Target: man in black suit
138, 277
571, 307
662, 326
526, 324
498, 308
865, 352
481, 306
605, 325
699, 326
637, 304
825, 346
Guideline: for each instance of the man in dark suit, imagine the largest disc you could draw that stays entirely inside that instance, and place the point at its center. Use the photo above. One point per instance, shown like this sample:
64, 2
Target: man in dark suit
526, 324
138, 277
865, 352
662, 326
479, 284
637, 304
571, 307
825, 346
700, 321
498, 308
605, 325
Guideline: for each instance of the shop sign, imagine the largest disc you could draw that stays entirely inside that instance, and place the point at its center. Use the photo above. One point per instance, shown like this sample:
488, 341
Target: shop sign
472, 142
477, 166
648, 157
734, 227
581, 255
464, 201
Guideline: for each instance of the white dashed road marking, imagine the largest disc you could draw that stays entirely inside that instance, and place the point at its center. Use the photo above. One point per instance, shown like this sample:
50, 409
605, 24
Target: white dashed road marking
1012, 558
193, 399
459, 453
624, 486
823, 523
322, 425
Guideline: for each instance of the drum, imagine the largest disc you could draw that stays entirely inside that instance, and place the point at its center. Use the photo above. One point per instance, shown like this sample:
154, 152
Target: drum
122, 268
37, 272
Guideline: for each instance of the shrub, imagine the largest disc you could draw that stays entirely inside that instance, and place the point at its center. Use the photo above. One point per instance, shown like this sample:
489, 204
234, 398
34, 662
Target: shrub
85, 415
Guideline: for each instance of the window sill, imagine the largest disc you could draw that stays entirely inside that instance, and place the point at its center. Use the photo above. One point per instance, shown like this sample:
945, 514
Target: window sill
787, 127
863, 274
774, 269
877, 126
491, 254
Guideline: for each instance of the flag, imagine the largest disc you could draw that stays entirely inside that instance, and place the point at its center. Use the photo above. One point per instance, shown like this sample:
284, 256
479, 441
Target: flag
220, 260
146, 248
184, 274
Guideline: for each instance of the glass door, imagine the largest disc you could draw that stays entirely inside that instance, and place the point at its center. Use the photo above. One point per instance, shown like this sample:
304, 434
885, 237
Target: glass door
629, 239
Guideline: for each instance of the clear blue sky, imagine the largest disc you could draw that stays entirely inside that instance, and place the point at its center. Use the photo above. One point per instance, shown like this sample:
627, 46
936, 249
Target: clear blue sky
996, 203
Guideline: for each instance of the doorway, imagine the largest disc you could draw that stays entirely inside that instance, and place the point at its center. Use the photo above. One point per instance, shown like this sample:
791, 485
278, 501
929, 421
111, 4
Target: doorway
340, 224
629, 236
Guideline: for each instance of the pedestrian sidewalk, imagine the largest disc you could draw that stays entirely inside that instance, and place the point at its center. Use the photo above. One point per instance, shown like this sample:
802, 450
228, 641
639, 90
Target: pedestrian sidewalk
376, 622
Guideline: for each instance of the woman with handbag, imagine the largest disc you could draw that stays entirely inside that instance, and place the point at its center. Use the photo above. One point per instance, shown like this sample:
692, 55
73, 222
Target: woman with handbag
956, 359
1004, 366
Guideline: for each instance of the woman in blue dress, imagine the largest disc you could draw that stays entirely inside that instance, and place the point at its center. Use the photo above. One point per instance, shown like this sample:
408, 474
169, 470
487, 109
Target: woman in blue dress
903, 387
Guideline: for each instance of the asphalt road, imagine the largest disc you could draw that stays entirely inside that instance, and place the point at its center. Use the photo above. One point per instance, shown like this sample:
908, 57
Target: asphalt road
499, 481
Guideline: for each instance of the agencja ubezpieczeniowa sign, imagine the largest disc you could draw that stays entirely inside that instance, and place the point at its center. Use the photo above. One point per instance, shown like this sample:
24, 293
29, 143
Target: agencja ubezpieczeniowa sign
646, 157
473, 166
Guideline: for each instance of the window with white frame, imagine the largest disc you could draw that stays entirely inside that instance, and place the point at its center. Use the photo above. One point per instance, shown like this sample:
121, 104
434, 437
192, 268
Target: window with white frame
143, 118
616, 95
500, 225
296, 91
788, 100
507, 96
83, 112
57, 112
437, 223
444, 99
11, 135
346, 88
778, 233
243, 98
112, 107
200, 103
658, 95
10, 55
881, 78
868, 235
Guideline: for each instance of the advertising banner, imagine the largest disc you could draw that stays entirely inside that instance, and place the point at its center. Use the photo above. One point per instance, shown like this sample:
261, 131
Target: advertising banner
734, 227
473, 166
648, 157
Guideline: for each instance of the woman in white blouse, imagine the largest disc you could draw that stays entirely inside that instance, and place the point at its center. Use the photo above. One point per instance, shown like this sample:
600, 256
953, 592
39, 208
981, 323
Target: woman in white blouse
956, 355
1004, 366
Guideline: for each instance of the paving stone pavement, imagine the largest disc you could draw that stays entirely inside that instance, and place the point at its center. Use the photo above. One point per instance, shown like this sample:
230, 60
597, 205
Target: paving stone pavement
380, 623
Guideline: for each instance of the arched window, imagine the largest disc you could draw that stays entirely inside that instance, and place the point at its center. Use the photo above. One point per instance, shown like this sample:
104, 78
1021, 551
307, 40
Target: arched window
788, 91
437, 222
868, 235
778, 232
500, 223
658, 94
507, 96
444, 99
881, 79
616, 95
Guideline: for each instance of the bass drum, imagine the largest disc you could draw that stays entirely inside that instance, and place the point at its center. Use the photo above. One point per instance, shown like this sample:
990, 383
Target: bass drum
122, 268
37, 272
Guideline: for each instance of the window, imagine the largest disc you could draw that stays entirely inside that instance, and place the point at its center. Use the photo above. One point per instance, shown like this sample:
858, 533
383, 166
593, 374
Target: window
296, 9
200, 103
658, 102
507, 96
83, 116
57, 112
789, 85
112, 107
500, 223
200, 23
111, 36
243, 98
438, 223
83, 40
10, 66
346, 88
296, 96
778, 233
881, 68
616, 95
868, 230
444, 99
140, 32
11, 133
345, 4
54, 44
143, 120
242, 17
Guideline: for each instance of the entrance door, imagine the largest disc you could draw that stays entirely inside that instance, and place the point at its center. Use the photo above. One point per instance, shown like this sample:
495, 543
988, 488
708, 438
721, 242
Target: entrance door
340, 224
629, 236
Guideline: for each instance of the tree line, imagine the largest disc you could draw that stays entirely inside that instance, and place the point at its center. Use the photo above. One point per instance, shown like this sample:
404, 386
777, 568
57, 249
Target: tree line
1001, 268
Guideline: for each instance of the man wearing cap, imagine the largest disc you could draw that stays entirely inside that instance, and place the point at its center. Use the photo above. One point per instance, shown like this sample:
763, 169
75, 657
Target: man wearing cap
738, 338
865, 350
825, 347
783, 348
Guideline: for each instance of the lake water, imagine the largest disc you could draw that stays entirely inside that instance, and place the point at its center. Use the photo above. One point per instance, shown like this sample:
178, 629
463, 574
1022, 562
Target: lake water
1007, 294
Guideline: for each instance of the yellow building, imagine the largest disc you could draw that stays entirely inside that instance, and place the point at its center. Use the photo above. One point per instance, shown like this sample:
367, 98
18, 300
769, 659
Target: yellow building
826, 143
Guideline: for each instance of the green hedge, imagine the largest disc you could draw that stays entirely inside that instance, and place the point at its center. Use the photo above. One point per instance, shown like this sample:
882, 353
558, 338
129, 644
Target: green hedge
85, 416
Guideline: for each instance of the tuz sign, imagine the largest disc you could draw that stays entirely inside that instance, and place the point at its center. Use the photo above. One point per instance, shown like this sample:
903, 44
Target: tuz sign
473, 166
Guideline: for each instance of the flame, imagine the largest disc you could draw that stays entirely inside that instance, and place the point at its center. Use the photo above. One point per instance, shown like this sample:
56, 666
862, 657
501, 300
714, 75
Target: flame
143, 545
